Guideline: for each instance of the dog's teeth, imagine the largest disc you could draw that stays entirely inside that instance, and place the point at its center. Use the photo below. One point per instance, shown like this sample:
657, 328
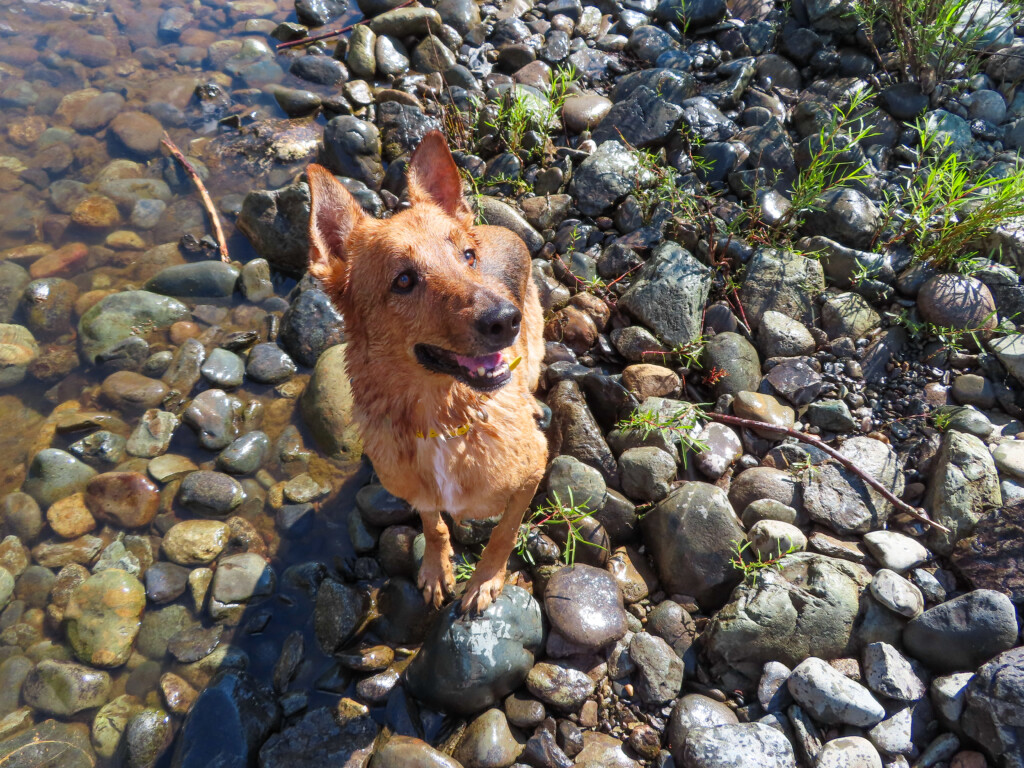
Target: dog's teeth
480, 371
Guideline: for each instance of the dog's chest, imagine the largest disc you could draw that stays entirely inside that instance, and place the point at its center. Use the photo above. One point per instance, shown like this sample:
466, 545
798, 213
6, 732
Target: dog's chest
439, 460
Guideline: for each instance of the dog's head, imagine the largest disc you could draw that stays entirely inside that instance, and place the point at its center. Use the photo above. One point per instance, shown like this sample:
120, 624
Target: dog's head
417, 287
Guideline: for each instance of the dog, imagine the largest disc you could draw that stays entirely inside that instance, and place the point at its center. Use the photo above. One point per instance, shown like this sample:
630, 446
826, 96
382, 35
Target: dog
444, 330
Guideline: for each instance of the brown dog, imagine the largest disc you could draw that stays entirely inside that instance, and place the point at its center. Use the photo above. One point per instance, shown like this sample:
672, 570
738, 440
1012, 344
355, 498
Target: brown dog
444, 350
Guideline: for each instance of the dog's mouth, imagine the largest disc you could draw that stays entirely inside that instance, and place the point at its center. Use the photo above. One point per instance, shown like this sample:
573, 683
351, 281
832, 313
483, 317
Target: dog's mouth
485, 373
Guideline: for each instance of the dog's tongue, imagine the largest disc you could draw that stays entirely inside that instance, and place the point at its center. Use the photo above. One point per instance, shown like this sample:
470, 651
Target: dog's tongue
487, 362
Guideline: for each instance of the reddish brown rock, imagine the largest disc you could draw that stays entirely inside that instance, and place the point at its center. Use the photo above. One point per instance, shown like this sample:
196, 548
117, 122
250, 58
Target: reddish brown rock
70, 517
128, 499
650, 380
59, 263
573, 328
139, 132
993, 558
127, 389
96, 212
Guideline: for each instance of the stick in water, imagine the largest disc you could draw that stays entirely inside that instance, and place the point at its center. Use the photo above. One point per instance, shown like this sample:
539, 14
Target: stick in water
207, 202
902, 506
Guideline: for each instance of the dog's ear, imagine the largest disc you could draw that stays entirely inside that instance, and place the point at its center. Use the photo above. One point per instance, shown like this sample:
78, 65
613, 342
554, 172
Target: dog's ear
434, 178
333, 214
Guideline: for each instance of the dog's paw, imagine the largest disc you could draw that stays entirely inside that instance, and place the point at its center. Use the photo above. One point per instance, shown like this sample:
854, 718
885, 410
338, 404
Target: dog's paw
481, 592
436, 582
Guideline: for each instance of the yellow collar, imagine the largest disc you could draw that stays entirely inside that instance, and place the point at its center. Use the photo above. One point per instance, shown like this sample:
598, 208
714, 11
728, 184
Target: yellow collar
464, 428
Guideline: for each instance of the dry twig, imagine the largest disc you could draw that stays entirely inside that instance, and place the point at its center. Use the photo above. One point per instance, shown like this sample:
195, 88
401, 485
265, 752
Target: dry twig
333, 33
207, 202
902, 506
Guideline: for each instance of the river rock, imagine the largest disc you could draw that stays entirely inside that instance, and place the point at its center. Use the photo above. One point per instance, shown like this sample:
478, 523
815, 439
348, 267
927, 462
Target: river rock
409, 752
228, 723
584, 605
352, 148
816, 601
957, 301
214, 415
54, 474
736, 357
203, 279
831, 697
103, 617
210, 493
993, 699
835, 497
689, 535
781, 281
126, 499
327, 406
310, 325
964, 483
604, 178
195, 542
276, 223
559, 686
318, 737
668, 294
964, 632
50, 743
488, 742
121, 315
469, 663
737, 744
64, 688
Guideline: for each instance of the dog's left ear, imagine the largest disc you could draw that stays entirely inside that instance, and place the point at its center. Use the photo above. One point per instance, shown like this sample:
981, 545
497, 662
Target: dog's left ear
333, 214
434, 178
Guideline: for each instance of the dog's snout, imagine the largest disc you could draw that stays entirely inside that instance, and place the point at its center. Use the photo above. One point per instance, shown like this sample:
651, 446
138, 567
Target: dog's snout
499, 325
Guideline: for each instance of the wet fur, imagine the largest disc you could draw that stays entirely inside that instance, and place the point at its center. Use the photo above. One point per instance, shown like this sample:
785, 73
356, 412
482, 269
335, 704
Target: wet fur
496, 467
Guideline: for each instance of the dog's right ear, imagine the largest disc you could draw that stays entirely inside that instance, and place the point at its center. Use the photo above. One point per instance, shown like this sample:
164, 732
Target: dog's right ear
333, 214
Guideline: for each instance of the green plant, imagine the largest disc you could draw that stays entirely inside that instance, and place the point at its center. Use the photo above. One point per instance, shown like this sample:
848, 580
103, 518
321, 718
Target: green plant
743, 561
942, 419
517, 112
949, 206
687, 353
827, 167
556, 513
683, 424
465, 566
953, 340
935, 39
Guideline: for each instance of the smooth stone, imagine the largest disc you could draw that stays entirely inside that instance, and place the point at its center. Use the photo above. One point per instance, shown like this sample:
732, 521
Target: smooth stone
584, 604
195, 542
165, 582
737, 744
63, 688
338, 612
848, 752
964, 483
897, 593
309, 326
210, 493
214, 415
243, 577
831, 697
126, 499
409, 752
888, 673
771, 539
269, 364
204, 279
659, 671
486, 656
488, 742
895, 551
245, 454
223, 369
561, 687
103, 617
121, 315
958, 302
54, 474
152, 435
993, 700
964, 632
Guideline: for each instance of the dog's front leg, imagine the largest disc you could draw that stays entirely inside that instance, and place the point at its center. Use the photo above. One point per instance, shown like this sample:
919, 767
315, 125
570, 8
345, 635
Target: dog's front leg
436, 578
489, 577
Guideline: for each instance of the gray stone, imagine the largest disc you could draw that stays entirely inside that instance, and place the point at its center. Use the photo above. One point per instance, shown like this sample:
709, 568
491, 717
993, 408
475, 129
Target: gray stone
888, 673
468, 663
215, 417
327, 406
210, 493
964, 483
837, 498
203, 279
994, 701
277, 223
54, 474
964, 632
352, 148
689, 535
64, 688
584, 605
849, 752
604, 178
122, 315
897, 594
782, 281
223, 369
831, 697
895, 551
559, 686
739, 744
659, 671
733, 354
848, 314
806, 608
781, 336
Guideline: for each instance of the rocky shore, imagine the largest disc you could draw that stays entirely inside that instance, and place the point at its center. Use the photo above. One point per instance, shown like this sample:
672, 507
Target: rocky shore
197, 565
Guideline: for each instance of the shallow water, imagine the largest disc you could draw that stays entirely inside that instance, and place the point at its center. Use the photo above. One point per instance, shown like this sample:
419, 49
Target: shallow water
58, 147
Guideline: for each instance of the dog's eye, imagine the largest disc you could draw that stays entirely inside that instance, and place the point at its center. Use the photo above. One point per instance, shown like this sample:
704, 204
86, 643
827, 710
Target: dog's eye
405, 282
470, 256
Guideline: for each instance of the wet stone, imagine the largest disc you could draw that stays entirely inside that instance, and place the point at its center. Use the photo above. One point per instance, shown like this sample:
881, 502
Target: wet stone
338, 612
269, 364
245, 454
195, 542
101, 447
213, 414
103, 617
70, 517
194, 643
54, 474
584, 604
223, 369
158, 626
241, 578
510, 630
210, 493
126, 499
152, 435
165, 582
64, 688
561, 687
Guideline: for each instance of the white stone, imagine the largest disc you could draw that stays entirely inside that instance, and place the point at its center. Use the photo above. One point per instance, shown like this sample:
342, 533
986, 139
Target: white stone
895, 551
897, 594
830, 697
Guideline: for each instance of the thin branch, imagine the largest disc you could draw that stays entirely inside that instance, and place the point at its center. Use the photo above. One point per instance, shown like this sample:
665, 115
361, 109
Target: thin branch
207, 202
902, 506
334, 33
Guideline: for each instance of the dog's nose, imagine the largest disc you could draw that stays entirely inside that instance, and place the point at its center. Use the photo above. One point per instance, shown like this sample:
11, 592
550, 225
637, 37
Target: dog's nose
499, 324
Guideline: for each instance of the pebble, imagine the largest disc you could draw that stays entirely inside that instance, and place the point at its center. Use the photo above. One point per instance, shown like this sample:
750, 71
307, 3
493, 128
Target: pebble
64, 688
849, 752
964, 632
126, 499
240, 578
737, 744
269, 364
897, 593
103, 617
223, 369
558, 686
695, 711
70, 517
195, 542
888, 673
54, 474
210, 493
895, 551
